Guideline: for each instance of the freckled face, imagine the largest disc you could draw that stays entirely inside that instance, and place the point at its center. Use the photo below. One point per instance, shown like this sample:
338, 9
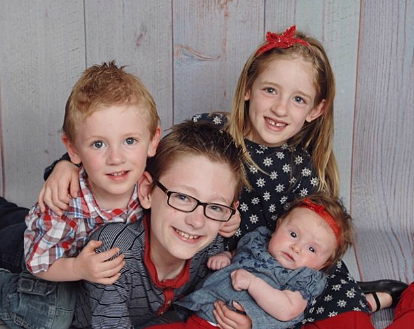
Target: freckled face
303, 239
281, 99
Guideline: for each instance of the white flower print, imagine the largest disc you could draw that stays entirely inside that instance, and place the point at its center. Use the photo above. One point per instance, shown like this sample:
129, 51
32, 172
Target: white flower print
328, 298
280, 188
266, 196
268, 162
310, 319
247, 190
255, 200
254, 219
260, 182
243, 207
273, 175
292, 180
280, 155
286, 168
196, 117
283, 199
253, 169
217, 120
306, 172
238, 232
314, 181
284, 147
320, 310
341, 303
356, 309
332, 314
339, 264
272, 208
259, 151
274, 218
350, 293
263, 147
336, 287
311, 310
343, 281
304, 192
298, 160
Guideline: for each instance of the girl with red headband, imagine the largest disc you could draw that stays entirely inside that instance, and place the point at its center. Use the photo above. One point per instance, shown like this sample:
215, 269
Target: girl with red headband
275, 276
282, 116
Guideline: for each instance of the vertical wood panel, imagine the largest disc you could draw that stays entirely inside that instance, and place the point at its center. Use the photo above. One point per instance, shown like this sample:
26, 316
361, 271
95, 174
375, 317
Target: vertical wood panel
136, 34
383, 178
212, 41
41, 53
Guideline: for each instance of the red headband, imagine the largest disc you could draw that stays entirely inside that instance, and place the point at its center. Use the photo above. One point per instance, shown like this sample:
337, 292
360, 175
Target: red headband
285, 40
326, 216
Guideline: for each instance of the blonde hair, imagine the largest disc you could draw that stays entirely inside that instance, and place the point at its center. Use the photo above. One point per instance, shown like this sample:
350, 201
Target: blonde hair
338, 212
106, 85
316, 136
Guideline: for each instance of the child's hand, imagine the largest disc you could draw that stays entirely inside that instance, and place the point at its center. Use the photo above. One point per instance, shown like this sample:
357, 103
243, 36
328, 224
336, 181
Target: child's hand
54, 193
98, 268
228, 319
230, 227
219, 261
241, 279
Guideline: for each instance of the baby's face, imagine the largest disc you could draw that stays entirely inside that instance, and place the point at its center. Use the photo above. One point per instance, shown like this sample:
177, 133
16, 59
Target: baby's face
303, 239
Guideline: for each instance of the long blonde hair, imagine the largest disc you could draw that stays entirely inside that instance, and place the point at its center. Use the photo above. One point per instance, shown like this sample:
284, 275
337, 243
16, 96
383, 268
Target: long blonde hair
316, 136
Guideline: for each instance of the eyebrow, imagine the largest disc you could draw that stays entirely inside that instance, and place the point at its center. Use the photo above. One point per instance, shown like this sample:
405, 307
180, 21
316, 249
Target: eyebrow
191, 191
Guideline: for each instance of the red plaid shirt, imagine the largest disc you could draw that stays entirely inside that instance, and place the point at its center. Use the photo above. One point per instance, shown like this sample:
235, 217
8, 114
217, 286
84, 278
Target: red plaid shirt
49, 237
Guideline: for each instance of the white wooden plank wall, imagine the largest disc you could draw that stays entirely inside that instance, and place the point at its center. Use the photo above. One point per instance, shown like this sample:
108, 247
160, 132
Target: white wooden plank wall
189, 54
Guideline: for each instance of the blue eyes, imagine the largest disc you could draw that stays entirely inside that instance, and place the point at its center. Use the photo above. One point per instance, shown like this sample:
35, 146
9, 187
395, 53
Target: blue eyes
100, 144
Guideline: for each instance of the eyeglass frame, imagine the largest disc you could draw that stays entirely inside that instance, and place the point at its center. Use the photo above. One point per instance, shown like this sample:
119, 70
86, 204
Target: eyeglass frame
204, 204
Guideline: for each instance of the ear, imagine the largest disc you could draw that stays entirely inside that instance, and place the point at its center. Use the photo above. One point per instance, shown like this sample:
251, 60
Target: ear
152, 148
72, 151
236, 204
145, 189
247, 95
316, 112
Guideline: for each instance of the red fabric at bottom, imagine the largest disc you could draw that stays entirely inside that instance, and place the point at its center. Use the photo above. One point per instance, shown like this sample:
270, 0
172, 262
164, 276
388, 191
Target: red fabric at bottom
194, 322
347, 320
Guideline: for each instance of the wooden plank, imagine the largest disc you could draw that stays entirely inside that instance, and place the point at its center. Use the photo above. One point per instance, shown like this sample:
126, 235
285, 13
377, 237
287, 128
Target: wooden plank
212, 41
41, 54
136, 34
383, 178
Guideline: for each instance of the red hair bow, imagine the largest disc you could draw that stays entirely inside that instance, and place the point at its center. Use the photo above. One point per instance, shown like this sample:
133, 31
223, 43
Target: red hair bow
285, 40
326, 216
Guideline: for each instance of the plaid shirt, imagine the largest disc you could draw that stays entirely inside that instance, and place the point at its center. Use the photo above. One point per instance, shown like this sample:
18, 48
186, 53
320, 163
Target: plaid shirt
49, 237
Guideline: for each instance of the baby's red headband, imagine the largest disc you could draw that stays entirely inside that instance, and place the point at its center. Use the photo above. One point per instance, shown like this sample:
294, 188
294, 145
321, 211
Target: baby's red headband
326, 216
285, 40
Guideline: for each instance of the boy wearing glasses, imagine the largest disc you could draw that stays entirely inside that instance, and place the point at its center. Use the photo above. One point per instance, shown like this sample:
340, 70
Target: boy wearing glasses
190, 191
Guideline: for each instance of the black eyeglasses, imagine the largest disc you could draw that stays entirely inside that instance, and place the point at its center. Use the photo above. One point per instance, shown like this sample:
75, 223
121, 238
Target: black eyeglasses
187, 203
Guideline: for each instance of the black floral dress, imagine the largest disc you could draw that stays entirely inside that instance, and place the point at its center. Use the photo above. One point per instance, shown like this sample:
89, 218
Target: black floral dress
288, 173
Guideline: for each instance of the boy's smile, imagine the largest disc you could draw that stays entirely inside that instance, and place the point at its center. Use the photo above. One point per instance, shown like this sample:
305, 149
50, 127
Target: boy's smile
113, 144
177, 236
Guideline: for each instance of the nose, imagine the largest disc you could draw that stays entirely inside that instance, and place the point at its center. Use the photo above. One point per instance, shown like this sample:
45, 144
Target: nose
116, 156
295, 248
280, 107
196, 219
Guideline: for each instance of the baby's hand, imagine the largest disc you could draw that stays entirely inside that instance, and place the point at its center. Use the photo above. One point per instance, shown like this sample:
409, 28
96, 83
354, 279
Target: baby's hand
219, 261
55, 191
228, 319
231, 226
241, 279
98, 268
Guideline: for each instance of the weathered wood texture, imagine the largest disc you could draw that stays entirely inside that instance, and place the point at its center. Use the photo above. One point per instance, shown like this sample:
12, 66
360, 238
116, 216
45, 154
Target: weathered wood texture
383, 154
189, 54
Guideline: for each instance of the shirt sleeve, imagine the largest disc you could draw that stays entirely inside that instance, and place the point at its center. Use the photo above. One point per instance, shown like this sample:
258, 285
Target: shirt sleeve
49, 237
48, 170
